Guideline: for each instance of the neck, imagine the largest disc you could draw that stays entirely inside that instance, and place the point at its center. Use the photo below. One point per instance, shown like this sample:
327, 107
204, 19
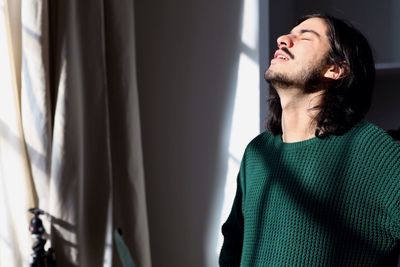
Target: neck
298, 113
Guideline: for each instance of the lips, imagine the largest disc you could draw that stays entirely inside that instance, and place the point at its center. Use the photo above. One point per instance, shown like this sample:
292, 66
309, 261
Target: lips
279, 54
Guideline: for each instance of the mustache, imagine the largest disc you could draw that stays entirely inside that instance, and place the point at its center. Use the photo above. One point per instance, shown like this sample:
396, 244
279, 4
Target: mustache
286, 50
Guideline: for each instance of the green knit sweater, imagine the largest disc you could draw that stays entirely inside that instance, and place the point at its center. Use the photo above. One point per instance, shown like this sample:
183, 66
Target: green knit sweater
319, 202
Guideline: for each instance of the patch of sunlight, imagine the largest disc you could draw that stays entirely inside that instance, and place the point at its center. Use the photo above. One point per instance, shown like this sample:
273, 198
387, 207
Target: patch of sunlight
250, 22
245, 126
246, 112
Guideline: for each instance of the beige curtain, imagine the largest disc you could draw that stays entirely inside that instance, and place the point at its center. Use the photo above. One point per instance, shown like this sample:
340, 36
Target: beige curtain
70, 131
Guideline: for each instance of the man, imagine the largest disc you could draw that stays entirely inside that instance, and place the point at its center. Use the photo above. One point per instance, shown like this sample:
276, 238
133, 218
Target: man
322, 186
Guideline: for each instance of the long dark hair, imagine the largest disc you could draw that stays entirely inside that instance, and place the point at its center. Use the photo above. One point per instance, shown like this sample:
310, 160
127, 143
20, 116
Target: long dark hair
347, 100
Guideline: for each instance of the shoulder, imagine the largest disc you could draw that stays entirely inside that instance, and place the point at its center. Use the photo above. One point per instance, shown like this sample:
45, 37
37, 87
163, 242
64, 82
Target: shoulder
261, 141
369, 134
373, 144
258, 147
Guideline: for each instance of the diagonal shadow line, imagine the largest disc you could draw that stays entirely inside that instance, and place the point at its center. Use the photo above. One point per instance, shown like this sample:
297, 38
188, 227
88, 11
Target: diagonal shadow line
250, 52
62, 245
63, 224
13, 229
14, 142
30, 32
312, 205
234, 159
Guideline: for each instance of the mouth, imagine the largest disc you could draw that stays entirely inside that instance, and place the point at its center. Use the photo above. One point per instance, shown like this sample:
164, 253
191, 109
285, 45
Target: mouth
279, 54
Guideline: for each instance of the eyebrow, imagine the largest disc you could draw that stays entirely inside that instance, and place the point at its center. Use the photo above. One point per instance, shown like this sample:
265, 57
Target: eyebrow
310, 31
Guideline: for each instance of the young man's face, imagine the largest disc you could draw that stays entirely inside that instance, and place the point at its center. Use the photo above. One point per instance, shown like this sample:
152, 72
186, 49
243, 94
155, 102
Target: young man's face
301, 55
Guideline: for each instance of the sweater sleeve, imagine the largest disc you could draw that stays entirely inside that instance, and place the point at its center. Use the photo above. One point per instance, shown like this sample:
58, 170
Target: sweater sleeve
232, 231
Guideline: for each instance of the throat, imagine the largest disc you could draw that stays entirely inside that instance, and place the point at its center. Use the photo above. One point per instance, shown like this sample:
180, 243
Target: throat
298, 114
298, 124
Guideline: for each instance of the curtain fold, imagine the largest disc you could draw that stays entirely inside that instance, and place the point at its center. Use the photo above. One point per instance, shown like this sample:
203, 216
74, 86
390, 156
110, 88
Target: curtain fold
80, 130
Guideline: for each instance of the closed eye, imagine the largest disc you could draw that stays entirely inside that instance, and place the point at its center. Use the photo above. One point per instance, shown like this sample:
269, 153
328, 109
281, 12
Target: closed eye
307, 36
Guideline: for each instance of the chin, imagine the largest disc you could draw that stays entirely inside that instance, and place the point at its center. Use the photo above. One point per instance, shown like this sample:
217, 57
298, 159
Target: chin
271, 75
268, 74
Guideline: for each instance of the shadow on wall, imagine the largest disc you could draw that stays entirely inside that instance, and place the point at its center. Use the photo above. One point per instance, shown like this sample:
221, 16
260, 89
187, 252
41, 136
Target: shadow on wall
187, 53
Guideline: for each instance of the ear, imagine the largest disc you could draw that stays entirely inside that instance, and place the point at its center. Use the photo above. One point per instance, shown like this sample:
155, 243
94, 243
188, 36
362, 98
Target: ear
337, 71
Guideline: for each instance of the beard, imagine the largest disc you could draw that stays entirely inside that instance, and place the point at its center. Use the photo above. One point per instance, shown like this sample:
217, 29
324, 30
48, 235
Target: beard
308, 79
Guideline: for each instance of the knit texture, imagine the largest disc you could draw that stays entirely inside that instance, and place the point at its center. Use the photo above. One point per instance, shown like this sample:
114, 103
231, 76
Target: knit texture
319, 202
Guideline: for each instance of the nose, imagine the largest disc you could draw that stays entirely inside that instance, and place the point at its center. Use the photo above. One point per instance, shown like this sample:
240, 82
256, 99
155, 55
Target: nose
284, 40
